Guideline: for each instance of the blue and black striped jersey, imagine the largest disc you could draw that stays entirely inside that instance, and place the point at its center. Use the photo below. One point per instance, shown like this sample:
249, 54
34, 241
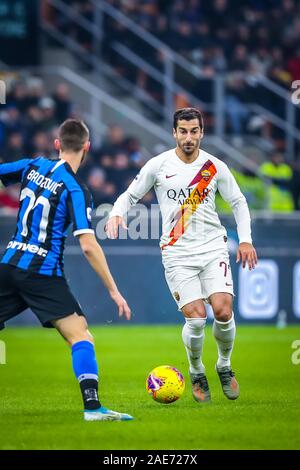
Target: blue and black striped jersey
51, 198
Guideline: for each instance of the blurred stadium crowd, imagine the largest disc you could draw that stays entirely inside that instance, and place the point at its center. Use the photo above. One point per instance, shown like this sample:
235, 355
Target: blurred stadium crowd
258, 36
254, 36
246, 38
29, 124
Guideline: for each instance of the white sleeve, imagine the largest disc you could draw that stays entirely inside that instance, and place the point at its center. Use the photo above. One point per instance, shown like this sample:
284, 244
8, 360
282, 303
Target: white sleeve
142, 183
231, 193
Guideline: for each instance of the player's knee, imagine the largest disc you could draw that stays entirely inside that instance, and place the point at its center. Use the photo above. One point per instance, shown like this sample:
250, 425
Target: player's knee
223, 313
194, 310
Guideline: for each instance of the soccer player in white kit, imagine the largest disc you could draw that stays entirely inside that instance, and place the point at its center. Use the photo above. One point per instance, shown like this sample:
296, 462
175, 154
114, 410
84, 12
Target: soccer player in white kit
194, 243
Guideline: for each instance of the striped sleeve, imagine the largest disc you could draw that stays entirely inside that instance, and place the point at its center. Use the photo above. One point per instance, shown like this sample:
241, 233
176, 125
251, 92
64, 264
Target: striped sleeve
80, 206
12, 173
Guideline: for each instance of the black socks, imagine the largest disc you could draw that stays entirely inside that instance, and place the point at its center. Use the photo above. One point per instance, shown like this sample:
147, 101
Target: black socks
89, 390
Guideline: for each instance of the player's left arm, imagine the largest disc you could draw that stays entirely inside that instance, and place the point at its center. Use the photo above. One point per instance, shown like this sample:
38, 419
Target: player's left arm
232, 194
12, 173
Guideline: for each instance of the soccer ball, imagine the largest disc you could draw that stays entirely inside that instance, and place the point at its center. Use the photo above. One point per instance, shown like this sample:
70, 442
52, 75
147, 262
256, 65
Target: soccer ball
165, 384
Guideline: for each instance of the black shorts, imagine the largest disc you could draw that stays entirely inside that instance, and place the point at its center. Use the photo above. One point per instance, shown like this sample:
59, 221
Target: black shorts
48, 297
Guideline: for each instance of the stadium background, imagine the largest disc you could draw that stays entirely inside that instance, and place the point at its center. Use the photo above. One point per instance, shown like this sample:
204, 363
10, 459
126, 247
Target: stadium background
124, 66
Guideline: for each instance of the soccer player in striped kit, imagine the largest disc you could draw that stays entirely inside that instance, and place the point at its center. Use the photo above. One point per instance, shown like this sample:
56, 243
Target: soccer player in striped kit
194, 243
52, 198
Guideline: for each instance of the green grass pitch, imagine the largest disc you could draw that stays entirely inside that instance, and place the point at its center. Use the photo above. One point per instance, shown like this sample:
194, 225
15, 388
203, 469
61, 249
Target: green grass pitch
41, 404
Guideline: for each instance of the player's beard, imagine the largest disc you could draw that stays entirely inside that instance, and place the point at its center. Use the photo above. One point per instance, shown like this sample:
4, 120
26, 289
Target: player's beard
189, 149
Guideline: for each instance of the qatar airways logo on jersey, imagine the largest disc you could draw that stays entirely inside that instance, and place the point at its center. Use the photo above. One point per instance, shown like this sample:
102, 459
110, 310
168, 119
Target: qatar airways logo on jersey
190, 196
28, 247
43, 182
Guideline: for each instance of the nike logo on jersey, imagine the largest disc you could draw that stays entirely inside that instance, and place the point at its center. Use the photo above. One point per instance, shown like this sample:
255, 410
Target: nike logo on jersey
226, 284
170, 176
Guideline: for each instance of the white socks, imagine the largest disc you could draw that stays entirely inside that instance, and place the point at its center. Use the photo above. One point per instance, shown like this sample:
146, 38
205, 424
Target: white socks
224, 333
193, 338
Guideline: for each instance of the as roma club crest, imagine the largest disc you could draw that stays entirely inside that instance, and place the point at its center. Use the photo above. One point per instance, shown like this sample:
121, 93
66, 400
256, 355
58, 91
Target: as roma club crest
176, 296
205, 175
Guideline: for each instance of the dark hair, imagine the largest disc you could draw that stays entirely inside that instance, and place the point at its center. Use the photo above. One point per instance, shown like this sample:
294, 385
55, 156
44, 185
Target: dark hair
187, 114
73, 134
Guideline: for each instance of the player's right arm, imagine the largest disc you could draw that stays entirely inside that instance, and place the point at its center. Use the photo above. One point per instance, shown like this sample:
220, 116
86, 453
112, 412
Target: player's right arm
12, 173
96, 258
142, 183
80, 205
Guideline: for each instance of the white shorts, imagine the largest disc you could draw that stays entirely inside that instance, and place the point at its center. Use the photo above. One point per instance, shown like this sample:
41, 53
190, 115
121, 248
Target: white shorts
198, 276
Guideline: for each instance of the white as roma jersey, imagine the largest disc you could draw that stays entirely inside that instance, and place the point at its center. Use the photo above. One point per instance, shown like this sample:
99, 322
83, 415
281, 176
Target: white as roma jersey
186, 195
